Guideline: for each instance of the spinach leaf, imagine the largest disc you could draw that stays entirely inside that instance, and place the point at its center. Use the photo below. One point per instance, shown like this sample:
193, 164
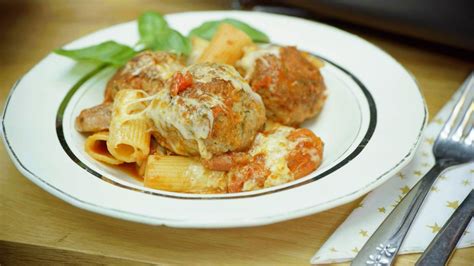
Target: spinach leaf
208, 29
107, 52
155, 34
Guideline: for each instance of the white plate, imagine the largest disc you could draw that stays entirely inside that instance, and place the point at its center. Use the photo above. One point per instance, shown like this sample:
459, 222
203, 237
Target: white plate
371, 125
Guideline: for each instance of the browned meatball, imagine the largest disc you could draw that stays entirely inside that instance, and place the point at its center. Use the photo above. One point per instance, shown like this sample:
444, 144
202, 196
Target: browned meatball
94, 119
291, 86
207, 109
147, 71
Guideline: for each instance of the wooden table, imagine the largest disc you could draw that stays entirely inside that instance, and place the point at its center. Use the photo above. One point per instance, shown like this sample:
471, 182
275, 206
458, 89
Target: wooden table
37, 227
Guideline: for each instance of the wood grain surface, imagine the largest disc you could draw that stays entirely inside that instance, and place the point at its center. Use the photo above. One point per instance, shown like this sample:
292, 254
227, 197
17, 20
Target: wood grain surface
37, 228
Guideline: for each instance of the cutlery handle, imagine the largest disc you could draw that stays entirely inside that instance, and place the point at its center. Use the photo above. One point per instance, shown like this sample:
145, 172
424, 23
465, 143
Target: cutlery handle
383, 245
440, 249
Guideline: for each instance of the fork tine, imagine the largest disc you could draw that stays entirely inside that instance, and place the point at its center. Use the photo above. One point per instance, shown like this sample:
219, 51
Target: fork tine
470, 137
465, 123
460, 108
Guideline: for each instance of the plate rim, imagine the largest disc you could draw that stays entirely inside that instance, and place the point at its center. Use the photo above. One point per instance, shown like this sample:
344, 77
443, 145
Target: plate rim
254, 221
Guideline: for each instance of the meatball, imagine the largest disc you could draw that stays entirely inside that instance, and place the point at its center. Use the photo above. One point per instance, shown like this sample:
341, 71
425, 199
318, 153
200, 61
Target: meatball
206, 109
289, 82
94, 119
147, 71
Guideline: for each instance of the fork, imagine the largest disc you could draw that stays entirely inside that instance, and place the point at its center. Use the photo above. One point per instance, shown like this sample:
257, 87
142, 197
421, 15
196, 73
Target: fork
453, 146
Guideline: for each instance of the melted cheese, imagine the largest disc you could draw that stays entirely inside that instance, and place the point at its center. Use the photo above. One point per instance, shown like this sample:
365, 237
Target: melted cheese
192, 117
202, 179
147, 65
206, 72
250, 58
250, 185
276, 147
129, 105
193, 172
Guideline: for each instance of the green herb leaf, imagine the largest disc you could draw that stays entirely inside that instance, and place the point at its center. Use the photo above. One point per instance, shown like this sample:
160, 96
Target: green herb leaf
155, 34
173, 41
107, 52
150, 26
208, 29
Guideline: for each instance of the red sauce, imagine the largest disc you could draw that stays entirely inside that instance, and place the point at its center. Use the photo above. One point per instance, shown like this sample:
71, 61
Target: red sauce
100, 147
131, 169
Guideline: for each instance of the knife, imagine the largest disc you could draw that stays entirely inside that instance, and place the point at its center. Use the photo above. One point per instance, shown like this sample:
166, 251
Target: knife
440, 249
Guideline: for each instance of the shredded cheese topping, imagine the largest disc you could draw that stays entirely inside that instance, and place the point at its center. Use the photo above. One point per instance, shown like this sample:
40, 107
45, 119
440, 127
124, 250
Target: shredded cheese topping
192, 117
146, 64
206, 72
129, 106
276, 147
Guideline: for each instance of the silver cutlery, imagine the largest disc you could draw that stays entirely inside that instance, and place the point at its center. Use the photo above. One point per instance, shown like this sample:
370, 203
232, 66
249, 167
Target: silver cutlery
440, 249
453, 146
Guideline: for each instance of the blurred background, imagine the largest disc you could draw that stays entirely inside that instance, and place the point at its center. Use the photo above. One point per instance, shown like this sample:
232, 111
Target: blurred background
443, 22
430, 33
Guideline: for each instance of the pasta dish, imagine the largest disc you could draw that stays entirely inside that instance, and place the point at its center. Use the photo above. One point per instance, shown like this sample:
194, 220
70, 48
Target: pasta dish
223, 119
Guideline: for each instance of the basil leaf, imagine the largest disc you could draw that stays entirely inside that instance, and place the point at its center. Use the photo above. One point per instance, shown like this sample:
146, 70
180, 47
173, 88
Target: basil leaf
107, 52
151, 26
208, 29
173, 41
155, 34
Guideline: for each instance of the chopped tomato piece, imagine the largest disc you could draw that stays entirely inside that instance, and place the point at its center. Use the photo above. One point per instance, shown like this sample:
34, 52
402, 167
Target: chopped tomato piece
300, 164
181, 82
299, 160
312, 141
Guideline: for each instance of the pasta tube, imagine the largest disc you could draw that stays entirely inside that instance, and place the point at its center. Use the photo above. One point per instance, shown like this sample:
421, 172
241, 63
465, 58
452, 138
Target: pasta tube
182, 174
226, 46
129, 137
96, 147
198, 46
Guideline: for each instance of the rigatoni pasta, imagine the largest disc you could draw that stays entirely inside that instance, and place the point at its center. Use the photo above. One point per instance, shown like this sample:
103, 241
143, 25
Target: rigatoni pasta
96, 147
226, 47
198, 47
182, 174
129, 137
